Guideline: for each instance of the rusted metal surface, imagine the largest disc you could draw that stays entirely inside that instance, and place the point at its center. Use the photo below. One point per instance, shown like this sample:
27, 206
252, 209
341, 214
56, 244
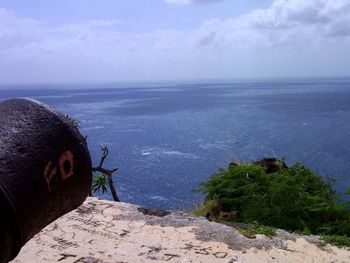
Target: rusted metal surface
45, 171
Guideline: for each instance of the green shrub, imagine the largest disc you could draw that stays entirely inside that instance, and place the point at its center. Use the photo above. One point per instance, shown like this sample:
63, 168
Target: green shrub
339, 241
294, 198
253, 229
206, 208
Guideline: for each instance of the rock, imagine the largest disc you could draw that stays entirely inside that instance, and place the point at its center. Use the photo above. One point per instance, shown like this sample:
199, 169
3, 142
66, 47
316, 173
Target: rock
271, 165
104, 231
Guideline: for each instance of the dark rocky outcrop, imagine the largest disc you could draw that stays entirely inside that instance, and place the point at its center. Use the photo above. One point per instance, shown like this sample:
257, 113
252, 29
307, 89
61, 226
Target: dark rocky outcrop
271, 165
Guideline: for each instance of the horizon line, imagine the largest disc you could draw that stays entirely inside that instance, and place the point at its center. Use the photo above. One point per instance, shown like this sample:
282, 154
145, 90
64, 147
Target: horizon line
179, 81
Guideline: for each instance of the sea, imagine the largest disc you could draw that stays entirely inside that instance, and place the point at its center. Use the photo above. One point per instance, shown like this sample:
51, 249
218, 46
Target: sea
166, 138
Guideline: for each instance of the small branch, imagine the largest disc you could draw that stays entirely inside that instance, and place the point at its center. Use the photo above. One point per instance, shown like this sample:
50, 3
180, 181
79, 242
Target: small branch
108, 172
103, 170
113, 191
104, 151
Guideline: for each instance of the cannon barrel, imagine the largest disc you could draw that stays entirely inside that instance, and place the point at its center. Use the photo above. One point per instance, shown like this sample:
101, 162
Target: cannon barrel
45, 171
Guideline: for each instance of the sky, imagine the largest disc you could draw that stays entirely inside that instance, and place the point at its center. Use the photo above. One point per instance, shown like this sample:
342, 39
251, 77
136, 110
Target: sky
88, 41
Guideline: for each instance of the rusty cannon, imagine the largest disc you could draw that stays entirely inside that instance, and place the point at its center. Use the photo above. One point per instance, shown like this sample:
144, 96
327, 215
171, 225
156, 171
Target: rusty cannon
45, 171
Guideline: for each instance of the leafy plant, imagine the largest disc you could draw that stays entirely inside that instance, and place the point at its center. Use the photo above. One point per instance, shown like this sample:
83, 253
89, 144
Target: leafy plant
99, 183
74, 121
292, 198
106, 174
104, 177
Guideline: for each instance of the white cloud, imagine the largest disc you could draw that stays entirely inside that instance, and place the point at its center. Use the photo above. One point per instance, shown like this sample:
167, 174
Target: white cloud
188, 2
292, 37
15, 32
285, 22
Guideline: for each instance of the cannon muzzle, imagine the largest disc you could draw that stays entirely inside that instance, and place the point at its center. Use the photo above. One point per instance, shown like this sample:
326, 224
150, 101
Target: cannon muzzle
45, 171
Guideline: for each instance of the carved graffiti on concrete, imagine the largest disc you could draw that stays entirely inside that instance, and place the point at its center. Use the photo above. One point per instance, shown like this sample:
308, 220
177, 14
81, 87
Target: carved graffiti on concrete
91, 234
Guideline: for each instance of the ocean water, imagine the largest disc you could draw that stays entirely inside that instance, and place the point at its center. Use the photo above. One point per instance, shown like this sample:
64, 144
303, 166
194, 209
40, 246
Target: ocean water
166, 138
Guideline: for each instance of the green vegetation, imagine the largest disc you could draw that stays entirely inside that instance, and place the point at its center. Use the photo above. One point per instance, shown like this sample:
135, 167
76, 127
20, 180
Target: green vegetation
74, 121
104, 176
99, 183
295, 199
254, 229
207, 208
339, 241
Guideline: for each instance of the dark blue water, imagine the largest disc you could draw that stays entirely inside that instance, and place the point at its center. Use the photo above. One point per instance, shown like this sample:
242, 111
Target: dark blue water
166, 138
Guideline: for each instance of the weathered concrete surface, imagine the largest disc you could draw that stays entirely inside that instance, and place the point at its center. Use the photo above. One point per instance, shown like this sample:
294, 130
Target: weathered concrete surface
103, 231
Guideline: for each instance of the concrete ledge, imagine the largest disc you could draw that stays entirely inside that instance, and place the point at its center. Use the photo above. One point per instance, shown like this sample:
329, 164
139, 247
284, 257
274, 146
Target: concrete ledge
104, 231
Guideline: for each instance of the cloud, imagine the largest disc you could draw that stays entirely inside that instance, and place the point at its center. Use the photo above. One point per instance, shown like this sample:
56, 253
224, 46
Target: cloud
291, 37
96, 50
284, 23
188, 2
15, 31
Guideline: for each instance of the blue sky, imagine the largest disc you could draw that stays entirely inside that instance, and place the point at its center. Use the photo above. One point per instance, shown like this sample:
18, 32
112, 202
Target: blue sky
146, 40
